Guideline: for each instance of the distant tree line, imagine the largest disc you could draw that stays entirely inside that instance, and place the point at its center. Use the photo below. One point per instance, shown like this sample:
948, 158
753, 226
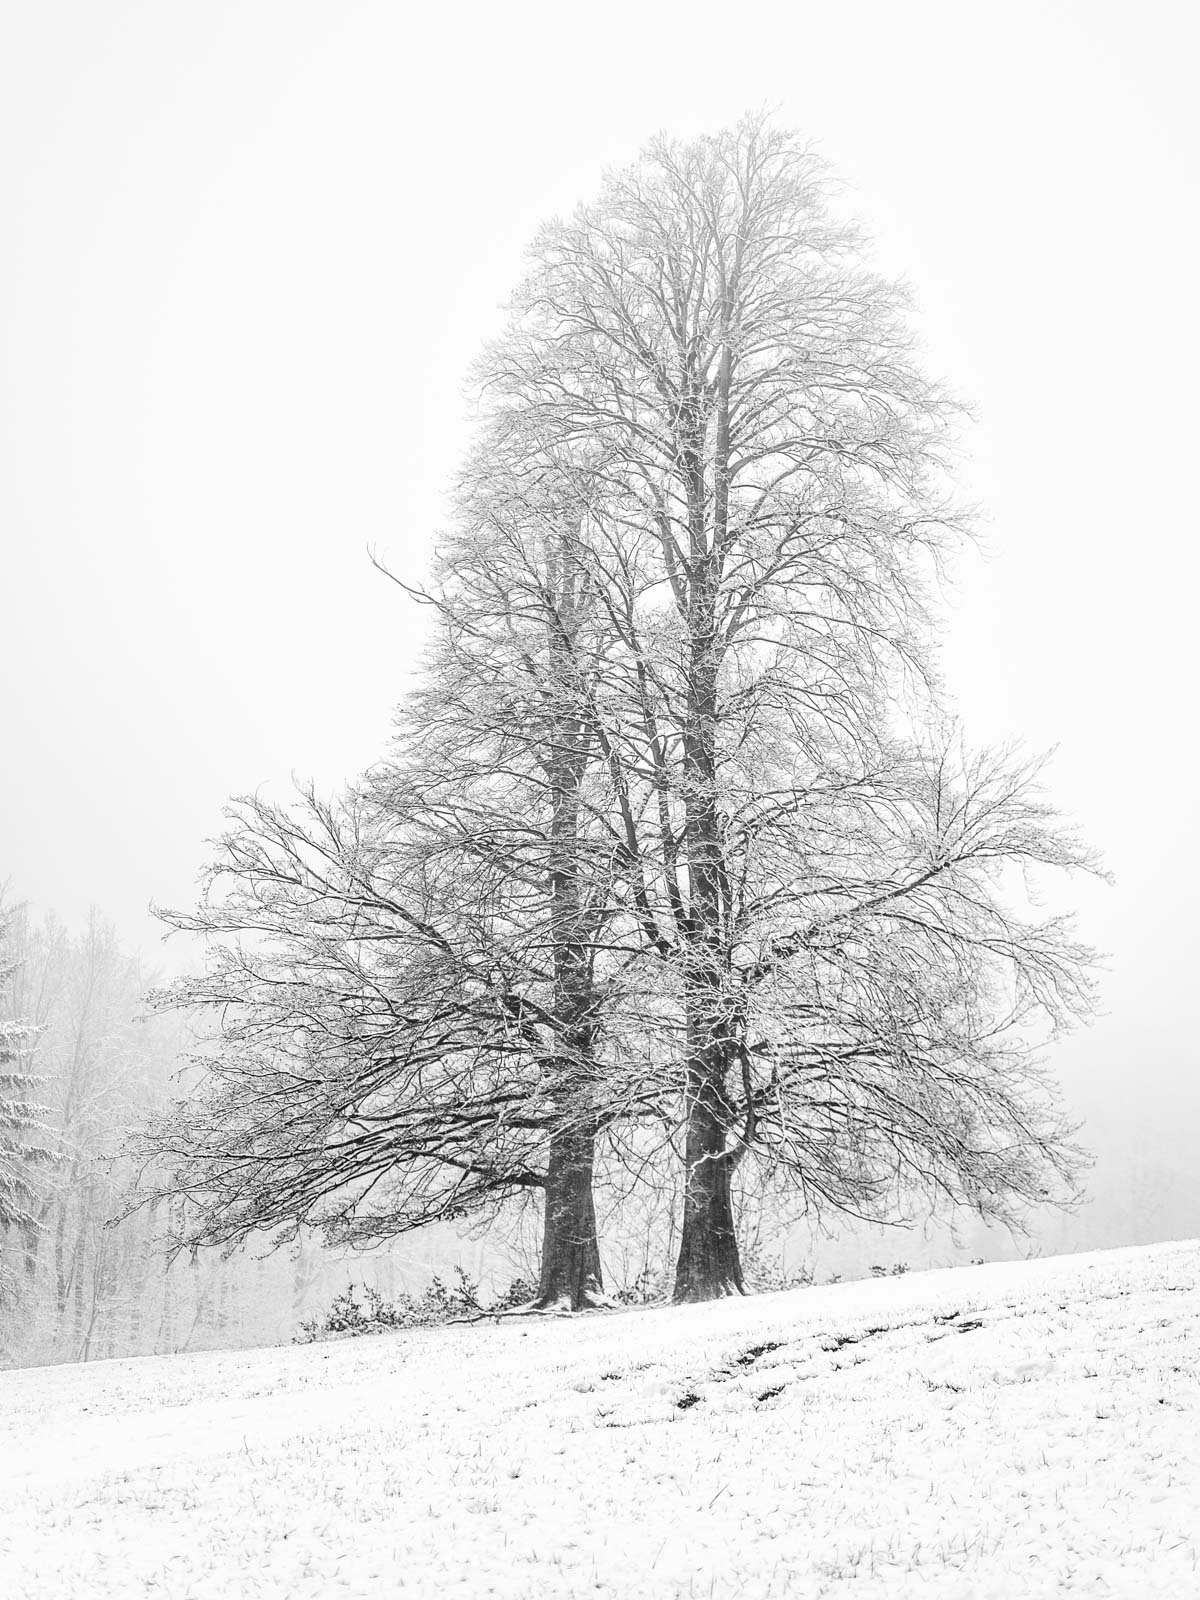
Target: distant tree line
82, 1066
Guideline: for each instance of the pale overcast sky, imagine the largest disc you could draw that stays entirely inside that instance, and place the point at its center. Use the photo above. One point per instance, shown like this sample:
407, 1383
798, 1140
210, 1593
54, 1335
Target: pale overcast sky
248, 248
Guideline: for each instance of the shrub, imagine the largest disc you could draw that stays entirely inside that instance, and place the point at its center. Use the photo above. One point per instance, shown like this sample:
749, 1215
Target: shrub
766, 1273
650, 1287
519, 1293
354, 1312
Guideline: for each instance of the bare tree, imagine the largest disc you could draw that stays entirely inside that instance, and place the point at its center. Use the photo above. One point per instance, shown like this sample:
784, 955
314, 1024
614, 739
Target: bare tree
503, 717
767, 475
675, 835
404, 1034
422, 975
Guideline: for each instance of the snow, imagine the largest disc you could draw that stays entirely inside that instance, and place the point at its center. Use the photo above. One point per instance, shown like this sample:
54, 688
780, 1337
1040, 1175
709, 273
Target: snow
988, 1433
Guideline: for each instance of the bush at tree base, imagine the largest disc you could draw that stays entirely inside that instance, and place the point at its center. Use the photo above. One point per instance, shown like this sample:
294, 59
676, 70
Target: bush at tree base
350, 1315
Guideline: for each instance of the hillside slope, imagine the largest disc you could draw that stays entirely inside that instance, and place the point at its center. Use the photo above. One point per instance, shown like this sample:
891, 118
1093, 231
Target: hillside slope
1005, 1431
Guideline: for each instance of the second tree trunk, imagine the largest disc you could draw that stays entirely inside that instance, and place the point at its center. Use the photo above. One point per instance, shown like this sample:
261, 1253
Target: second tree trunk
571, 1278
709, 1266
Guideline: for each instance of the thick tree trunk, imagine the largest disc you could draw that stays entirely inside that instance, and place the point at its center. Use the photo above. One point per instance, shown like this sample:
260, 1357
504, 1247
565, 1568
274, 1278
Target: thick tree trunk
571, 1278
570, 1274
709, 1266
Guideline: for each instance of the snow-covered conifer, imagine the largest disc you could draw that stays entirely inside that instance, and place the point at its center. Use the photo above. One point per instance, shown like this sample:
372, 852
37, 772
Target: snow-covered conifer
23, 1131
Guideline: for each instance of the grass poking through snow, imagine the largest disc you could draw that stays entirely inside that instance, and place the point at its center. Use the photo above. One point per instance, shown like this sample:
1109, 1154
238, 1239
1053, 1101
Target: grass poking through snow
991, 1433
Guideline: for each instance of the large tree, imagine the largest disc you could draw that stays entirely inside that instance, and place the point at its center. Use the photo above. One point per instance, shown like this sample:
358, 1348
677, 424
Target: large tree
411, 1011
497, 759
675, 831
767, 469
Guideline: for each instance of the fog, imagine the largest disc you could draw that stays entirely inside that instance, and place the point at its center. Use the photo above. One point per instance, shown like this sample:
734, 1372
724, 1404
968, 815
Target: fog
248, 253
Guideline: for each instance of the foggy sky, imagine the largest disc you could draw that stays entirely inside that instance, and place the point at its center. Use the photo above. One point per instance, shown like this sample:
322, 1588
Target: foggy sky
248, 250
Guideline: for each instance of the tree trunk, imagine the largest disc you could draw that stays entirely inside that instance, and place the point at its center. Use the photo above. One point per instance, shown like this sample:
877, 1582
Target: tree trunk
85, 1349
142, 1246
33, 1239
570, 1274
571, 1278
709, 1266
62, 1285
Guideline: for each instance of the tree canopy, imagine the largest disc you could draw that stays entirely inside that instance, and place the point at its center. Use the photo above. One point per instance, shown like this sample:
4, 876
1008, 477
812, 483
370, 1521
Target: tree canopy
678, 838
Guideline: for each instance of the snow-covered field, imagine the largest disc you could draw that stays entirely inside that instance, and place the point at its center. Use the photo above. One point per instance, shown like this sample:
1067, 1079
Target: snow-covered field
1005, 1431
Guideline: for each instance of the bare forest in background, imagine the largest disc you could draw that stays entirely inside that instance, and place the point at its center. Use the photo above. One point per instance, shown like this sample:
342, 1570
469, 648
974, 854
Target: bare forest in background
79, 1278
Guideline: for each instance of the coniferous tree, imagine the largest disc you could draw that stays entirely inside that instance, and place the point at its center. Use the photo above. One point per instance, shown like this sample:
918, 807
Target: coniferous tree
24, 1136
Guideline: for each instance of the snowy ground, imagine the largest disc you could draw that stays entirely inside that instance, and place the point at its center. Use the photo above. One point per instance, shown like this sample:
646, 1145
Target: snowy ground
1005, 1431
